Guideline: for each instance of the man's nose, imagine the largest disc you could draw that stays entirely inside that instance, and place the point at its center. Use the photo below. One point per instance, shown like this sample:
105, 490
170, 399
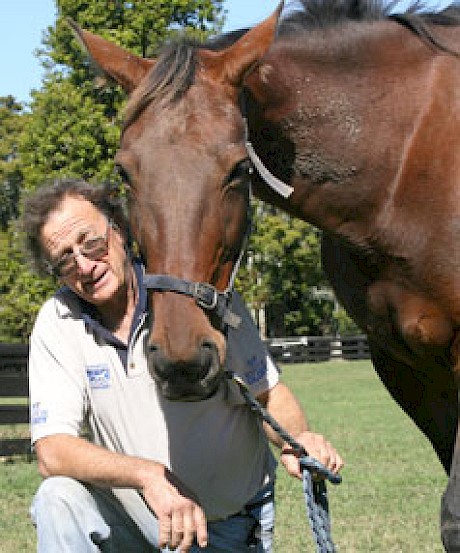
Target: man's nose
83, 263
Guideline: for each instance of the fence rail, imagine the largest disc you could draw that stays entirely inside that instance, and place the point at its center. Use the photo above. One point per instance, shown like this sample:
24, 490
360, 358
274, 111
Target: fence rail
313, 349
14, 384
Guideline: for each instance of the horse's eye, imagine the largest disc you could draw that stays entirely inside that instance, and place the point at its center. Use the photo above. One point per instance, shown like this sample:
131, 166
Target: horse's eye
122, 174
241, 172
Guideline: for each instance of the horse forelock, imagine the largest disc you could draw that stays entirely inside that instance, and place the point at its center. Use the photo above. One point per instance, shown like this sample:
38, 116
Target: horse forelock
173, 73
171, 76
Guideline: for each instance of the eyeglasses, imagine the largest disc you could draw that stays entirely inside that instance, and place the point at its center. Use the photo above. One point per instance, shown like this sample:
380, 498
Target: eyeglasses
93, 248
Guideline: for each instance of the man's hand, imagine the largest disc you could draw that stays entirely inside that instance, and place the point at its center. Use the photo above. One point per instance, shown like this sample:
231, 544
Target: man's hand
284, 408
316, 446
179, 515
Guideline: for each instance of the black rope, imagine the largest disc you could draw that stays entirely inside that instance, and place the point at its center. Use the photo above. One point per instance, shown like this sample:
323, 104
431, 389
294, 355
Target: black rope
315, 491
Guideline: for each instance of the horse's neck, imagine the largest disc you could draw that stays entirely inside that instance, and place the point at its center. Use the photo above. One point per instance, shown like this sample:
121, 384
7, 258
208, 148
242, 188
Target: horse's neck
339, 134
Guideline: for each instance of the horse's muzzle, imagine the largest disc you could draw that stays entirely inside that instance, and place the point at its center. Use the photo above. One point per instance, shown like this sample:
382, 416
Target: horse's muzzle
186, 380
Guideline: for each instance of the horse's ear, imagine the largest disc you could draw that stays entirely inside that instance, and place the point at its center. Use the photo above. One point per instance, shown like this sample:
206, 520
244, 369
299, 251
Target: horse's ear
117, 63
232, 64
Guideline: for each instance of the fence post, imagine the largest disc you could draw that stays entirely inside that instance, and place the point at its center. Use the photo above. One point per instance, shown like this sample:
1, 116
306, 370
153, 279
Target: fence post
336, 348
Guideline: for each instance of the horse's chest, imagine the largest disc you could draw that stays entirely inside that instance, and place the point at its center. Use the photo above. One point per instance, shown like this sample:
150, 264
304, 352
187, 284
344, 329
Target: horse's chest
415, 323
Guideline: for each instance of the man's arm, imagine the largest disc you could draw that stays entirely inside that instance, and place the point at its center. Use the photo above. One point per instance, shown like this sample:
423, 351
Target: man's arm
180, 517
286, 410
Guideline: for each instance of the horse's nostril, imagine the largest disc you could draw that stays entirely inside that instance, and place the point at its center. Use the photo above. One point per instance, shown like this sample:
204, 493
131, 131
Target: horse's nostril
194, 378
207, 345
206, 357
207, 351
157, 365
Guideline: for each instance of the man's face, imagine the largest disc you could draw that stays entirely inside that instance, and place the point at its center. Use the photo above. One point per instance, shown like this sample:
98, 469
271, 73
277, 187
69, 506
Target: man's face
98, 281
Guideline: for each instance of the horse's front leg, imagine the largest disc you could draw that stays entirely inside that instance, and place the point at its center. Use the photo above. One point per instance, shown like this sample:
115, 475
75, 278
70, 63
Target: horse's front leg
450, 506
430, 402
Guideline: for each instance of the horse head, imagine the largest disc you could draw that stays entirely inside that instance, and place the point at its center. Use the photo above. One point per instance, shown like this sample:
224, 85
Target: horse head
187, 174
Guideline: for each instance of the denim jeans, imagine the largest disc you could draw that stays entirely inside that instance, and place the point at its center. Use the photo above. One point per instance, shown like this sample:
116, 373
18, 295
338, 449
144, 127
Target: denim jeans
71, 517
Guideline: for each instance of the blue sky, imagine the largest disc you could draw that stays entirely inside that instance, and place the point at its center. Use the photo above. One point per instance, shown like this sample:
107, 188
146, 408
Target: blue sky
22, 23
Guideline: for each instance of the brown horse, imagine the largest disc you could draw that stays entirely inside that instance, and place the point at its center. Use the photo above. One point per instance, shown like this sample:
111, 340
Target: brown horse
358, 114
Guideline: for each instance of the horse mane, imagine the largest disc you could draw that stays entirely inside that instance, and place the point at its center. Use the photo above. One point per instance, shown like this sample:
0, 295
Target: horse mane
323, 14
174, 71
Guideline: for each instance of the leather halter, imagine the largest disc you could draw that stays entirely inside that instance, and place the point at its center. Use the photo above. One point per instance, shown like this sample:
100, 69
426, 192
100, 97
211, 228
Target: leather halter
277, 185
205, 295
273, 182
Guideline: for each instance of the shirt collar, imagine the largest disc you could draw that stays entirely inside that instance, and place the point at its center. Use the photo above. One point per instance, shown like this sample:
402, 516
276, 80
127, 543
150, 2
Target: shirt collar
89, 311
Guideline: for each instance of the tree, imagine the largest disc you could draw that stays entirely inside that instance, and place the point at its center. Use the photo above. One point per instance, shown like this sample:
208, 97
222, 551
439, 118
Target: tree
68, 134
284, 263
22, 292
140, 26
282, 278
12, 121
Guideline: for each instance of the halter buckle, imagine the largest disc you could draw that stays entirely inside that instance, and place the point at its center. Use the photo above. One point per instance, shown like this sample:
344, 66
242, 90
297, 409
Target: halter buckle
205, 295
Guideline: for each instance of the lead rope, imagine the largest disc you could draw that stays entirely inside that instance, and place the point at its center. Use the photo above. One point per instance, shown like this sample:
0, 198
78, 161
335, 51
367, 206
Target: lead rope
314, 490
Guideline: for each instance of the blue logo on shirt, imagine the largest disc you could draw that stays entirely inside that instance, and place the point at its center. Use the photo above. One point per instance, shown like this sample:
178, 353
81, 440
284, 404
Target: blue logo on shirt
38, 414
98, 376
257, 370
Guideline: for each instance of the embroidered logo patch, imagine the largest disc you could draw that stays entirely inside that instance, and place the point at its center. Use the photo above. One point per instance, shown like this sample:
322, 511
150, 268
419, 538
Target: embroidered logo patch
98, 376
257, 370
38, 414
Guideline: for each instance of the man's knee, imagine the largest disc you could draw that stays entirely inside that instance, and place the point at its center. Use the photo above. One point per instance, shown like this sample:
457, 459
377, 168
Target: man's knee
67, 502
67, 517
60, 494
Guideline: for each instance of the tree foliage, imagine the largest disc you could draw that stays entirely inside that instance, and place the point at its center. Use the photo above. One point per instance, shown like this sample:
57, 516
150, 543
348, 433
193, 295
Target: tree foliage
12, 120
283, 265
21, 291
68, 134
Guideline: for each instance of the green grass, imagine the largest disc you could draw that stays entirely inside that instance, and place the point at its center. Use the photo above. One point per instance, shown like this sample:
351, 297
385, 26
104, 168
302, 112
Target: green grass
18, 481
388, 501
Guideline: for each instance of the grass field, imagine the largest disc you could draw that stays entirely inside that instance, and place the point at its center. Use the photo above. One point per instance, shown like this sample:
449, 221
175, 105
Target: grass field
392, 483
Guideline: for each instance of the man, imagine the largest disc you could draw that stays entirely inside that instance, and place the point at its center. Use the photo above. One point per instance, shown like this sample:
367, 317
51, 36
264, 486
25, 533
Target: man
154, 473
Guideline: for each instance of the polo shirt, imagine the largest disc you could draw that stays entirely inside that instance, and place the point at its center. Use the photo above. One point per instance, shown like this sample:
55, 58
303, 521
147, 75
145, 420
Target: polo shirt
81, 376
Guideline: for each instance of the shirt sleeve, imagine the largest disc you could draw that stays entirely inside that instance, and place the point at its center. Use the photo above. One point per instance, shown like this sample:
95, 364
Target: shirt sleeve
56, 382
247, 355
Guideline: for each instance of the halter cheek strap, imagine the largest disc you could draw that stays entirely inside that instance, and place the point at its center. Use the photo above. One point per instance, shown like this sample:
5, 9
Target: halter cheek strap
204, 294
273, 182
277, 185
